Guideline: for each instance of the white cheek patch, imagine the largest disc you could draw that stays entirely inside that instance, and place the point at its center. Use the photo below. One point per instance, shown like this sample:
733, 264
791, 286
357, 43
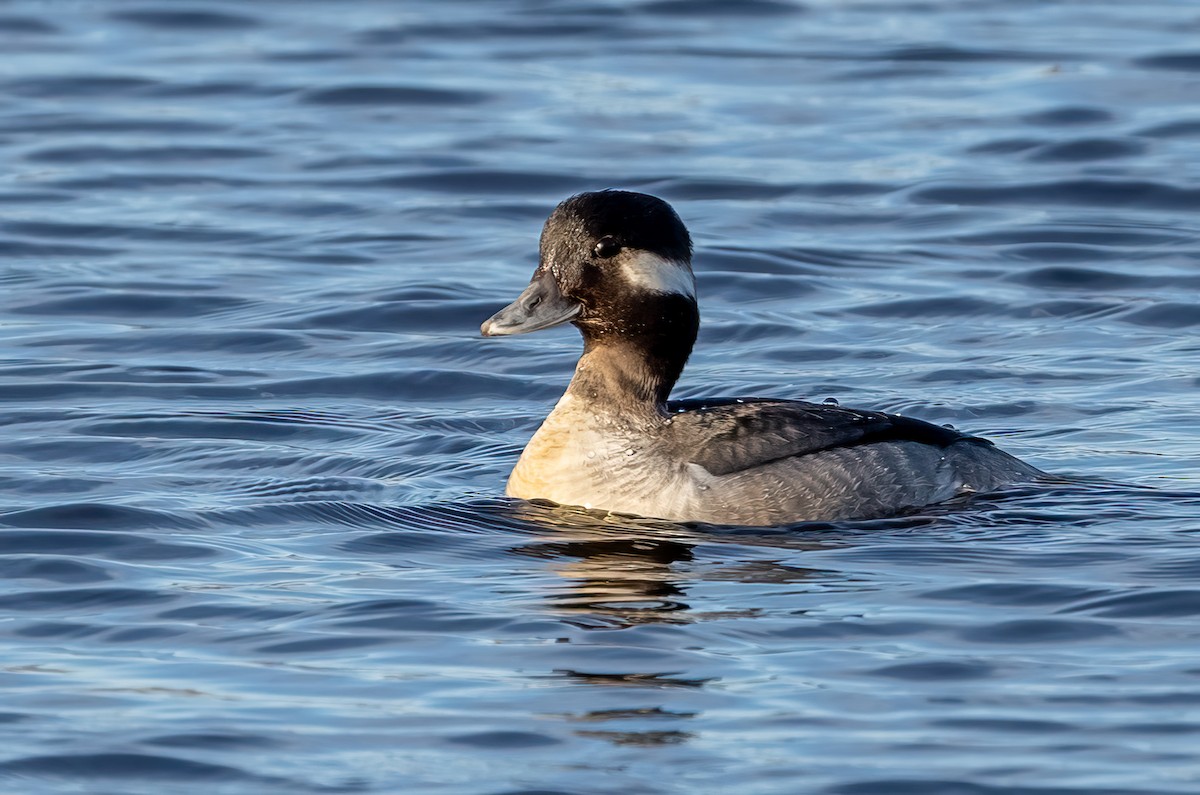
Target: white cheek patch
657, 274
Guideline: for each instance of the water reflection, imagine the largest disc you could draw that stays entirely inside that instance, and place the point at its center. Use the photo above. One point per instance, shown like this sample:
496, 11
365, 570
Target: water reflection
625, 581
654, 681
630, 583
646, 738
647, 724
622, 571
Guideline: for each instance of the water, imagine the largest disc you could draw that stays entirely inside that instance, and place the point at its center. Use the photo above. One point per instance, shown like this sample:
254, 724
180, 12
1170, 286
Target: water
252, 449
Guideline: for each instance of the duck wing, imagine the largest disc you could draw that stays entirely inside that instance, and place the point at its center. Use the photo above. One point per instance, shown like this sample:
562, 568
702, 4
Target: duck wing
731, 435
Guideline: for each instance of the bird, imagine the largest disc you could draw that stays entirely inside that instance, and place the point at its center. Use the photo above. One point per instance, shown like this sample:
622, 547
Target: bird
618, 266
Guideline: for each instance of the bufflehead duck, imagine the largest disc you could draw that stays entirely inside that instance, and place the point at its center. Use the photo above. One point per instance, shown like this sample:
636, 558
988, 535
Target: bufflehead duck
617, 265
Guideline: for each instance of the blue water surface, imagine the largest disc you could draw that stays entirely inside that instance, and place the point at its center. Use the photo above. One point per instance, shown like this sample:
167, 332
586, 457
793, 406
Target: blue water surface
252, 450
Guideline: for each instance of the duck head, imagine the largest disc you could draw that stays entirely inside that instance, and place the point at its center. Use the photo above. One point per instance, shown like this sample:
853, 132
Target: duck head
604, 255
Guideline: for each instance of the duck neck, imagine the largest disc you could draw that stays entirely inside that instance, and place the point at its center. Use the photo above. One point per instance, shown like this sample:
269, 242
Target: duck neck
632, 366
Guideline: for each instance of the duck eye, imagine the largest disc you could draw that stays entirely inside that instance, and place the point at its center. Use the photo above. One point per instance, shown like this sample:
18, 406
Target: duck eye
607, 247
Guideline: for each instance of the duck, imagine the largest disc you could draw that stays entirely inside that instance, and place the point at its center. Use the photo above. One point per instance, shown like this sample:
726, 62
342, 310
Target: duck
617, 265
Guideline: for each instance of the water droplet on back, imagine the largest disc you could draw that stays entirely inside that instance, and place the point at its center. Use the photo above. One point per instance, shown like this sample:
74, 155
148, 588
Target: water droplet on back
831, 401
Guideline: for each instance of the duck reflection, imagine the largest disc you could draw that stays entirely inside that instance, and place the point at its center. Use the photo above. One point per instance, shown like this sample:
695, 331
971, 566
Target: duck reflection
628, 581
644, 725
625, 570
621, 572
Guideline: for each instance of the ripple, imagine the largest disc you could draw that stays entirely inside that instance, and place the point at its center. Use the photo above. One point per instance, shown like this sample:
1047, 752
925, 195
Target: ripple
1006, 146
227, 613
212, 740
72, 600
324, 645
312, 488
58, 629
1168, 314
504, 740
26, 26
392, 95
122, 766
185, 19
309, 56
171, 233
203, 341
849, 630
1181, 61
1038, 630
125, 303
146, 181
428, 384
711, 189
1134, 236
936, 671
215, 426
115, 545
52, 570
488, 32
24, 249
1083, 149
33, 197
78, 86
1007, 725
1067, 276
923, 786
709, 8
413, 616
1147, 604
1075, 278
1142, 194
956, 54
142, 154
945, 306
756, 263
76, 123
1173, 129
1015, 593
482, 180
427, 316
93, 516
1068, 115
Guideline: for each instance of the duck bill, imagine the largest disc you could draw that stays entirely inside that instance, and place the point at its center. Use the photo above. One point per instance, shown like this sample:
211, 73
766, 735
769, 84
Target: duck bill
542, 305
